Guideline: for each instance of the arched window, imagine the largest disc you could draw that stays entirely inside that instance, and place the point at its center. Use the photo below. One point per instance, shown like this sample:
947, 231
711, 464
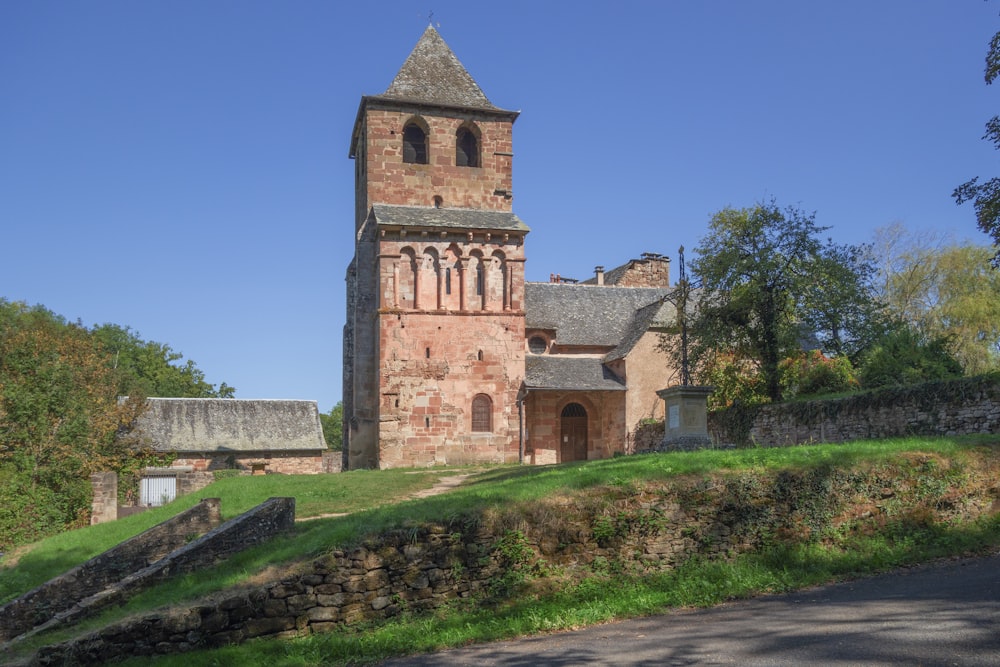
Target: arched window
414, 144
466, 148
482, 414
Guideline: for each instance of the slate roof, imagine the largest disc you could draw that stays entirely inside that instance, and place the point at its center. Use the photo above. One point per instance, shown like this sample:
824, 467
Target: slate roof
587, 314
570, 372
230, 425
432, 74
446, 218
643, 319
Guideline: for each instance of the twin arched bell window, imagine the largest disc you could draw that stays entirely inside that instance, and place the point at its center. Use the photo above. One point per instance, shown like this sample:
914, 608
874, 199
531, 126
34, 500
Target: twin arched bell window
415, 146
466, 148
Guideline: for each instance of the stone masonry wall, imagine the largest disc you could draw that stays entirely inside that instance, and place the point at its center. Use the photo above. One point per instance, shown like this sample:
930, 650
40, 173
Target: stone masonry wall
249, 529
646, 272
653, 528
285, 463
433, 366
104, 506
958, 407
41, 604
391, 181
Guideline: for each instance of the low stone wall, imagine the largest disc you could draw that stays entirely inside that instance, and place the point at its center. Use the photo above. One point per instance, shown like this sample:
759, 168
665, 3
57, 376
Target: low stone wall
957, 407
256, 526
284, 463
59, 594
652, 528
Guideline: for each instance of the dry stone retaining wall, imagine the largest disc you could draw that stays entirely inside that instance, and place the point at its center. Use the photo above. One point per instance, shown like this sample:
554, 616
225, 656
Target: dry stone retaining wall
59, 594
948, 408
649, 529
105, 580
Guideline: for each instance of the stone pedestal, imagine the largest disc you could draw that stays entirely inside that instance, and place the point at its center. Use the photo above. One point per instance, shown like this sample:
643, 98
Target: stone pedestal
685, 417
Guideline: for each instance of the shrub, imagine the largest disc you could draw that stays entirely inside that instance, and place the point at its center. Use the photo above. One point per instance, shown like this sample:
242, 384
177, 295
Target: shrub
813, 373
905, 357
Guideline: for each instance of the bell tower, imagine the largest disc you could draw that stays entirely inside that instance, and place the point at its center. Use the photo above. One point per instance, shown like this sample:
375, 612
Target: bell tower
434, 339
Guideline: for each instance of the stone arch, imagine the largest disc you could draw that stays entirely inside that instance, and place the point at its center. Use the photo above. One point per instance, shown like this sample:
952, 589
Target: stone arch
475, 281
574, 425
429, 281
496, 281
415, 141
468, 145
451, 259
407, 270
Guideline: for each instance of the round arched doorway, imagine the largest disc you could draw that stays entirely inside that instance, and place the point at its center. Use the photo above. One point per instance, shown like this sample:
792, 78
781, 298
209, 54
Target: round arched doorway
573, 433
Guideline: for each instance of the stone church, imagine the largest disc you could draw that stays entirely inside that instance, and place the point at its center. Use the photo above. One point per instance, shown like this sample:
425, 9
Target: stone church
450, 357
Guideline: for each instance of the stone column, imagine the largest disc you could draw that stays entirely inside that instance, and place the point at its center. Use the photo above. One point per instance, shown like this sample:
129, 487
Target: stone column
105, 503
460, 265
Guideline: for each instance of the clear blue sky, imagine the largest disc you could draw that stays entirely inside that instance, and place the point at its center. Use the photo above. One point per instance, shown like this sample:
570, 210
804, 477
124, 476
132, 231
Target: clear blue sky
181, 166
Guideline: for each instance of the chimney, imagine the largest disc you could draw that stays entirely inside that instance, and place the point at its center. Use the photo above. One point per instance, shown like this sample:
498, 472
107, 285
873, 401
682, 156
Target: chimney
599, 274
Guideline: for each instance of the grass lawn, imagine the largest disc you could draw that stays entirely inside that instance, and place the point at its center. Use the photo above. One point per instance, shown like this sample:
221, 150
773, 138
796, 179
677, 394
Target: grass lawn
315, 495
373, 500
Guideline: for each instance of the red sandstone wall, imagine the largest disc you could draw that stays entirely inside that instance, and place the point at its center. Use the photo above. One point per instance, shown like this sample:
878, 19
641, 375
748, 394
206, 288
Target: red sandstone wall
440, 273
433, 366
391, 181
646, 273
606, 427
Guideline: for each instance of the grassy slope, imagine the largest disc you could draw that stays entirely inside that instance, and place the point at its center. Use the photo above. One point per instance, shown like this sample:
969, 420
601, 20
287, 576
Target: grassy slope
315, 495
599, 599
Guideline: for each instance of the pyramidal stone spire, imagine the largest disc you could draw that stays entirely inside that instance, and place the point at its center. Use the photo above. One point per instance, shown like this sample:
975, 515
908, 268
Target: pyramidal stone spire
433, 75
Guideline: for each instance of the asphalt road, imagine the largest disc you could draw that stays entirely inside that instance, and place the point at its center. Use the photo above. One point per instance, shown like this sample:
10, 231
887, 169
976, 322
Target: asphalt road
947, 613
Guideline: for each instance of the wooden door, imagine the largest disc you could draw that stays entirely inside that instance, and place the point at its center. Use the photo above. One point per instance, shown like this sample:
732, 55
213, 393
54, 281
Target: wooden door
573, 433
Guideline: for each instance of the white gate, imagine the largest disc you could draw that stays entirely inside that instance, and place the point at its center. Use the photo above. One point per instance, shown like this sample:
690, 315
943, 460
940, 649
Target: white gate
156, 491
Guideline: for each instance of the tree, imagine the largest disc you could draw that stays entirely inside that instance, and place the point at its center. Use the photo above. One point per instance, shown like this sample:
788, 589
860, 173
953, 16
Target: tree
758, 269
943, 291
153, 366
333, 424
839, 305
985, 197
60, 416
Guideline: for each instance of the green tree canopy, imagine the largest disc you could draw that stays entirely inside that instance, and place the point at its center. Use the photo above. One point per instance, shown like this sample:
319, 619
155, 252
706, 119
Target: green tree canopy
769, 285
61, 413
945, 292
333, 426
985, 196
59, 416
154, 367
